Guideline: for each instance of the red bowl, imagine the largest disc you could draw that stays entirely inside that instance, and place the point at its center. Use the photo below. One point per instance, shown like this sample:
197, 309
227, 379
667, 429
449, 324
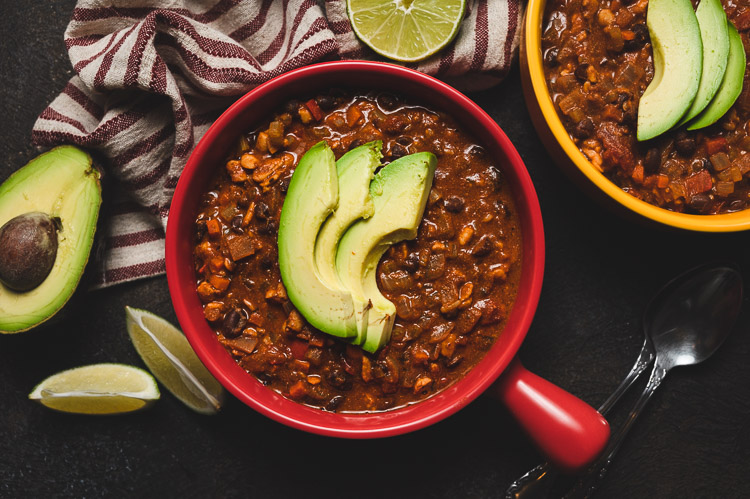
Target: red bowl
247, 113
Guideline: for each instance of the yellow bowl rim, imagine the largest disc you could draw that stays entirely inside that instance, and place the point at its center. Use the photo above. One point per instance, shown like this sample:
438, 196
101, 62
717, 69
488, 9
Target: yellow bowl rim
706, 223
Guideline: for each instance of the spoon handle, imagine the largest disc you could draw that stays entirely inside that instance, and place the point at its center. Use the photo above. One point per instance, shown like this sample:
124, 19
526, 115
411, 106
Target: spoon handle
537, 482
588, 483
645, 358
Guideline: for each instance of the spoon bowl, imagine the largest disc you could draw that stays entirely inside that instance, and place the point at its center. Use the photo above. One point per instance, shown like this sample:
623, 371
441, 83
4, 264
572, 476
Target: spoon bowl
693, 315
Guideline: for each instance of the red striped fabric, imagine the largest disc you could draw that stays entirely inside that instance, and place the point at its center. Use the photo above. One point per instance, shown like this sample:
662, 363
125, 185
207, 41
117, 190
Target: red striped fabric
150, 80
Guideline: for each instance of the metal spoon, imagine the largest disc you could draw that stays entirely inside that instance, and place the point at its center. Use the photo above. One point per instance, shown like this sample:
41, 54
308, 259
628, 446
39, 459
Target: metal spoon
692, 318
538, 482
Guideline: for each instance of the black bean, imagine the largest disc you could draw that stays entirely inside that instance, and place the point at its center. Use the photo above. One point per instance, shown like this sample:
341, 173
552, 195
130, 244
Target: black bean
454, 361
582, 72
200, 230
387, 102
477, 151
397, 150
411, 262
267, 260
334, 403
623, 97
262, 211
233, 324
494, 177
584, 129
699, 164
737, 205
243, 201
483, 246
454, 204
236, 223
355, 143
326, 102
550, 56
337, 377
501, 207
684, 144
291, 107
640, 38
699, 203
284, 184
268, 229
652, 161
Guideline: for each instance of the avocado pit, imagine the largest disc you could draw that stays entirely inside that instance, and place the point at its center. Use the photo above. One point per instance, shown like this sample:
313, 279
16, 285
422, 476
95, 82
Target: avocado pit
28, 249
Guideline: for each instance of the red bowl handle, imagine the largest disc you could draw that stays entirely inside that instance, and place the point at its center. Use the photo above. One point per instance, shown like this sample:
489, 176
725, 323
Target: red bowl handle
566, 429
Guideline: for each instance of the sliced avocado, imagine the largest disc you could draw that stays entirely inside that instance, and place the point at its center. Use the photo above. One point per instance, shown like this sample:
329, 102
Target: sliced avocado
399, 192
355, 170
61, 186
311, 197
713, 25
678, 61
731, 85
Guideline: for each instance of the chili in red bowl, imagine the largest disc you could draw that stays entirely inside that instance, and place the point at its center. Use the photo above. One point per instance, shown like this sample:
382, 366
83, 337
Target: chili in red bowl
453, 286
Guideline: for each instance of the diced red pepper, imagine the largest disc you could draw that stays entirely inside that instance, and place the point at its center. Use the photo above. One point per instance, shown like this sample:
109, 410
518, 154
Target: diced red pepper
214, 227
698, 183
715, 145
314, 109
216, 264
298, 390
637, 175
662, 181
353, 115
219, 282
299, 348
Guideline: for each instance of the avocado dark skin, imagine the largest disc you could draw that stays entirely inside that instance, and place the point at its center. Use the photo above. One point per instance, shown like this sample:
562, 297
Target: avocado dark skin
28, 248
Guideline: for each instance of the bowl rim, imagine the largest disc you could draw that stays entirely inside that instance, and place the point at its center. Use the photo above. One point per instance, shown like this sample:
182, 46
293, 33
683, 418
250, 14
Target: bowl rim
728, 222
378, 424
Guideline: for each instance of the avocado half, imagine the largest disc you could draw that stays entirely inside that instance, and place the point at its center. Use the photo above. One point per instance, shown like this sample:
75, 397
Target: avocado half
678, 64
399, 193
63, 184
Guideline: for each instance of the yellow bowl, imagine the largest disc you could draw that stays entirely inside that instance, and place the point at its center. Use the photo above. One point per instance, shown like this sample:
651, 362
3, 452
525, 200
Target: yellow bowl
567, 155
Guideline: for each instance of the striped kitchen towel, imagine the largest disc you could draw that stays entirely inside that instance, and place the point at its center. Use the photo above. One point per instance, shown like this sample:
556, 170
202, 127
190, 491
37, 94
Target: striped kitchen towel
151, 76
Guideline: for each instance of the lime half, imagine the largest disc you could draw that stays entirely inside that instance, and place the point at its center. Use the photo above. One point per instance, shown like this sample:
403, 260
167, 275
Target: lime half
98, 389
168, 355
406, 30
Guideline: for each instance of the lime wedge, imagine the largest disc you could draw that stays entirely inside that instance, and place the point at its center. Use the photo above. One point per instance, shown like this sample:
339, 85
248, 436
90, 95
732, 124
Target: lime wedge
406, 30
98, 389
168, 355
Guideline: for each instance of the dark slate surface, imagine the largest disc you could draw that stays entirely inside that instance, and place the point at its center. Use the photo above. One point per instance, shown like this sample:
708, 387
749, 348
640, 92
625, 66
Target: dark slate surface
693, 439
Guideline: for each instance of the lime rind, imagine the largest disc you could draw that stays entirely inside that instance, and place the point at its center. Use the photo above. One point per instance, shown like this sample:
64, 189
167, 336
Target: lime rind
406, 31
203, 400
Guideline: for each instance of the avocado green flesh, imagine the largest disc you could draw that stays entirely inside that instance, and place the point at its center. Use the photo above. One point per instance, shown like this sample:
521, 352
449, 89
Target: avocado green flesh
61, 183
399, 192
355, 170
678, 62
731, 85
713, 25
312, 196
